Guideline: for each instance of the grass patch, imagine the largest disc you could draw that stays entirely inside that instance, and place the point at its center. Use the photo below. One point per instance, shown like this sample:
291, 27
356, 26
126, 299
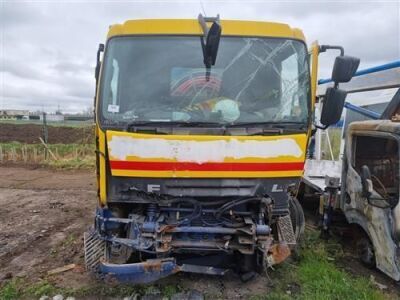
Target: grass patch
72, 163
69, 156
335, 136
320, 278
11, 290
169, 290
68, 123
16, 289
316, 276
41, 288
66, 243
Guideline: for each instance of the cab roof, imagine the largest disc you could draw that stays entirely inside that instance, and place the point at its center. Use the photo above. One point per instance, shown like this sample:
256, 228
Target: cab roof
375, 126
192, 27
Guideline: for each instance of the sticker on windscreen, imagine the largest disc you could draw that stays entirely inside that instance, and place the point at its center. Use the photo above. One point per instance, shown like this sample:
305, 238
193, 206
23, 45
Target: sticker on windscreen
113, 108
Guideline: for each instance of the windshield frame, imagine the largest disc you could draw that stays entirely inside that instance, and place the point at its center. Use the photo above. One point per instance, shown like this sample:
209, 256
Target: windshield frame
105, 123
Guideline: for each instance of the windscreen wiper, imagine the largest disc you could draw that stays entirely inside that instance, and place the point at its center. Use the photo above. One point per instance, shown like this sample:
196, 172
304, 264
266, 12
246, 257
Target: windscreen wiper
273, 125
270, 127
210, 46
171, 123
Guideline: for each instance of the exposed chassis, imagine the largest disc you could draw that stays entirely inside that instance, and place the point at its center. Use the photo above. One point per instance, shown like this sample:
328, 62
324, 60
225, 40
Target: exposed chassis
251, 239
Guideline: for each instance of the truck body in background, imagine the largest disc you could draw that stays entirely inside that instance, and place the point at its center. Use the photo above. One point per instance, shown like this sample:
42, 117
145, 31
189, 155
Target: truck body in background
363, 184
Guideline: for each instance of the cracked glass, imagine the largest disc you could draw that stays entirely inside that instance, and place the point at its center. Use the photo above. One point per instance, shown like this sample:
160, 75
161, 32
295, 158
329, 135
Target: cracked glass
158, 78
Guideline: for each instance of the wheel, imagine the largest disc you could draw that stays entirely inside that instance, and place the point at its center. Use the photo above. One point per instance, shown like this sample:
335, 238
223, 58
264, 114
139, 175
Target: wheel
298, 223
365, 251
297, 217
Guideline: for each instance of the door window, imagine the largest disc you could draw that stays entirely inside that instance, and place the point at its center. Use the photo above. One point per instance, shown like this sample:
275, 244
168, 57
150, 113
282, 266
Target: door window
381, 155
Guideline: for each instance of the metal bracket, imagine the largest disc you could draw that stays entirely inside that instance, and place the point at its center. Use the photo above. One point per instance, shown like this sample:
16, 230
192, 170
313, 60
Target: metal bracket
323, 48
203, 22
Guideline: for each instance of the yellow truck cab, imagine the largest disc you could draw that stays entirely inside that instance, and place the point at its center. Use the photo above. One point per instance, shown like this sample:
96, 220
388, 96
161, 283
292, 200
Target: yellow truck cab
202, 128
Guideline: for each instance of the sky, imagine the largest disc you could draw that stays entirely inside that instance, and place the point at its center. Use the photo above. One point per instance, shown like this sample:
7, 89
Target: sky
48, 48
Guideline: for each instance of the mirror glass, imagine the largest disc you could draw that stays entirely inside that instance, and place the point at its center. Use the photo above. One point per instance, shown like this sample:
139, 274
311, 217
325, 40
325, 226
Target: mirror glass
332, 106
344, 68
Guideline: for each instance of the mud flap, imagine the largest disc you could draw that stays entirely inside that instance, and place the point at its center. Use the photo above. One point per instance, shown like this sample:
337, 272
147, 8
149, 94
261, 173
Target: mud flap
280, 251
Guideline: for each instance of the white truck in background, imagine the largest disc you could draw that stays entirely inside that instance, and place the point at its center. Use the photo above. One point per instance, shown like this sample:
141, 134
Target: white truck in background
363, 184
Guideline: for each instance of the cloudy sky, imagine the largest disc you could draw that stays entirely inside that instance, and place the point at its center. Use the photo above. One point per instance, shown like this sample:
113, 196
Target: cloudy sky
48, 48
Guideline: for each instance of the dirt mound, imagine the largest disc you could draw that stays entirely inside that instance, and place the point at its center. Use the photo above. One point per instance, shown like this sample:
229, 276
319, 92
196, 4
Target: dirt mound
30, 133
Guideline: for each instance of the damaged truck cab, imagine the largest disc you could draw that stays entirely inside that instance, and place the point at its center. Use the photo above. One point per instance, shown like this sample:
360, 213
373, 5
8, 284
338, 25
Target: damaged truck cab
370, 191
201, 133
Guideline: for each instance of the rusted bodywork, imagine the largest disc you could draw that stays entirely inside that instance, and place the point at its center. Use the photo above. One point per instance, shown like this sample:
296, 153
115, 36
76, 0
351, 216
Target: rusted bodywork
375, 144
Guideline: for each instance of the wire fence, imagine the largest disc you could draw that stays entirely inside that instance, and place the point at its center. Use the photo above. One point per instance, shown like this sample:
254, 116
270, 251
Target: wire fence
38, 153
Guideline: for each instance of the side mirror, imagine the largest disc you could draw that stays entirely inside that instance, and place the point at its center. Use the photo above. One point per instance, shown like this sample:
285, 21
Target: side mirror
333, 106
344, 68
98, 63
366, 182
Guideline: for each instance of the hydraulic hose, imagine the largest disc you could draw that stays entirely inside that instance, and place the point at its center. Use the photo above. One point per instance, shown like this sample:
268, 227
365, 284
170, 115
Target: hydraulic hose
232, 204
197, 209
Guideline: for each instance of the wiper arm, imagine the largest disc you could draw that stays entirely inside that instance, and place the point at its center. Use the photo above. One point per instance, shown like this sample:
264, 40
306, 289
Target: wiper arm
266, 131
269, 124
171, 123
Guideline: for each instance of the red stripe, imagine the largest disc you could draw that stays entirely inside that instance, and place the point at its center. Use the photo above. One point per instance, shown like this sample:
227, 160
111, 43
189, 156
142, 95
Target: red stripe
209, 166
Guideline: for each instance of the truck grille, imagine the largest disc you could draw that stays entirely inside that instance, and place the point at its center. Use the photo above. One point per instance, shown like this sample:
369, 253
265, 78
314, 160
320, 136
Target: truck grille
212, 188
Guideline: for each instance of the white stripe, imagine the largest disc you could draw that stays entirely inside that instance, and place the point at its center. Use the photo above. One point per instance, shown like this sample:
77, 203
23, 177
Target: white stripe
121, 147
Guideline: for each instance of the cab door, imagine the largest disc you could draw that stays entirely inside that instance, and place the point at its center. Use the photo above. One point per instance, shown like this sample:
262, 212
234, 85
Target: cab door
380, 152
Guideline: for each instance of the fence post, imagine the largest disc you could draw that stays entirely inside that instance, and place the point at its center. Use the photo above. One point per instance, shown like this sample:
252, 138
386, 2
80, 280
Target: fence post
24, 153
47, 149
35, 154
13, 154
45, 135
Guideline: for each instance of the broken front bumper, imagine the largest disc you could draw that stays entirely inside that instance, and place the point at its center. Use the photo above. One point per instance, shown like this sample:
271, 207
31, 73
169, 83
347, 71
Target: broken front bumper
151, 270
248, 239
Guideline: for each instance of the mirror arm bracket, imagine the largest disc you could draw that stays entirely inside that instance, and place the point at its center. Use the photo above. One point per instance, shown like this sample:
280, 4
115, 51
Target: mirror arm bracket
323, 48
323, 127
97, 70
203, 22
99, 50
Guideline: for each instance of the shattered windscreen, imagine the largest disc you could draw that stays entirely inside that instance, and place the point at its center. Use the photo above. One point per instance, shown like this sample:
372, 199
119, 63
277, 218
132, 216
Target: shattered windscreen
164, 79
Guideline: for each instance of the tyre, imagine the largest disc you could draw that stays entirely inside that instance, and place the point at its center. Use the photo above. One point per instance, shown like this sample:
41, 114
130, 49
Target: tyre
298, 223
297, 217
365, 251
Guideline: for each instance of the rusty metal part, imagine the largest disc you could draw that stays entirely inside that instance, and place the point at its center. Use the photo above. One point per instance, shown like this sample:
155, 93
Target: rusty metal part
277, 254
242, 239
143, 272
151, 270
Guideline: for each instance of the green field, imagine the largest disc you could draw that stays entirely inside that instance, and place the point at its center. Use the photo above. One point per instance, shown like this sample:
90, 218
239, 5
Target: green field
39, 122
335, 140
62, 156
